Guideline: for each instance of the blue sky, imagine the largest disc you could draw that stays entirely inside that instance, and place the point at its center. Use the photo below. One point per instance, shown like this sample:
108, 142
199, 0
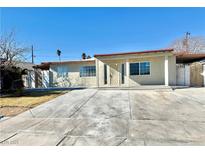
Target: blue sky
99, 30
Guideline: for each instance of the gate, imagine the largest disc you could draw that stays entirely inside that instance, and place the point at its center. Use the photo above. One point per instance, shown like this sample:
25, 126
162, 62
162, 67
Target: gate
183, 75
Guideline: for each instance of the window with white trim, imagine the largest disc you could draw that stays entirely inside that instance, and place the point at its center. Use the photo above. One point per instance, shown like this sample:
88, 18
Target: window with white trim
140, 68
86, 71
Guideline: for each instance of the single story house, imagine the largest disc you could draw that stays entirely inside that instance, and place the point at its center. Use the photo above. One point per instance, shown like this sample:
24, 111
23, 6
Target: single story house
127, 69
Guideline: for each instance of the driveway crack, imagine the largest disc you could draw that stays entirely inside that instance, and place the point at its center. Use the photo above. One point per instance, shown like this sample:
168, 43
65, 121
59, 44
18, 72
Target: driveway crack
122, 141
129, 104
8, 138
83, 104
67, 134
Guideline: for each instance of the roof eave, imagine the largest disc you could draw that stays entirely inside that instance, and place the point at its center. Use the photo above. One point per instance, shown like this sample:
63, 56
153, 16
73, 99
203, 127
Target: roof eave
137, 52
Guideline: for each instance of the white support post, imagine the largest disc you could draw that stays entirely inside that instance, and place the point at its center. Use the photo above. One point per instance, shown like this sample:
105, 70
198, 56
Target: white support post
166, 71
97, 72
119, 70
127, 72
108, 75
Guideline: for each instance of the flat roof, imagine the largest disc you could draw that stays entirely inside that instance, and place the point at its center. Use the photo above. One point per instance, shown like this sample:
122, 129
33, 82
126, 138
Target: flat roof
46, 65
70, 61
135, 52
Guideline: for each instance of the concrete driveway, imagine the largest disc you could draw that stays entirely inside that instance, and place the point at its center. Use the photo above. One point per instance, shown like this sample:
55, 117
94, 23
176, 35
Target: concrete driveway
112, 117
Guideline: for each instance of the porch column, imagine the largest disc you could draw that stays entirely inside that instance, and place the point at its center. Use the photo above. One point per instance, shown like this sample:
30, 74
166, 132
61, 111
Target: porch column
166, 71
108, 75
127, 72
97, 72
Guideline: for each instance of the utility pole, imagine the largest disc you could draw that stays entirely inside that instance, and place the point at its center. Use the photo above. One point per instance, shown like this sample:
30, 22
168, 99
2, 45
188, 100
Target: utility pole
186, 43
32, 56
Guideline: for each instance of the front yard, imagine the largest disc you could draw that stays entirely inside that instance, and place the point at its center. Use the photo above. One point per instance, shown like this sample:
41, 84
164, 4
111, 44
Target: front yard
13, 105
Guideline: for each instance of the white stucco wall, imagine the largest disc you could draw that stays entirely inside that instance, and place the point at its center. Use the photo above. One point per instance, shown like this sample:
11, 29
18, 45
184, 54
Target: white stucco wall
157, 72
156, 76
45, 78
70, 75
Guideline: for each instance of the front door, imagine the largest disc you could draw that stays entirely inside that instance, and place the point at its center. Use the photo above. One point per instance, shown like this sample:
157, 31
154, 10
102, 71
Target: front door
114, 74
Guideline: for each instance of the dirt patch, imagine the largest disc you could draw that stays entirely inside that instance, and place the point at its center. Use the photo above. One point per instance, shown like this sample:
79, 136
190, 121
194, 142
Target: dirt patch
12, 111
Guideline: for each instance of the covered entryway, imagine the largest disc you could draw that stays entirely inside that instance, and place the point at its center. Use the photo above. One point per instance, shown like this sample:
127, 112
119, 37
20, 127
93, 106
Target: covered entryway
131, 69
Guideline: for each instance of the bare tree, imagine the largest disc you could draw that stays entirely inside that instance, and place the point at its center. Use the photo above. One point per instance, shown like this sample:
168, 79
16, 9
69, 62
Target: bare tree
11, 51
195, 44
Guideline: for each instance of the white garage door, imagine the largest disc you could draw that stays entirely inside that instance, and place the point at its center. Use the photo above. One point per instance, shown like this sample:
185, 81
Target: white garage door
183, 75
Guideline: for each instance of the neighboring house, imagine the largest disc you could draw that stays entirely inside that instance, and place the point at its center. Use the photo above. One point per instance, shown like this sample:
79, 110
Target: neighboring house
35, 77
28, 73
29, 78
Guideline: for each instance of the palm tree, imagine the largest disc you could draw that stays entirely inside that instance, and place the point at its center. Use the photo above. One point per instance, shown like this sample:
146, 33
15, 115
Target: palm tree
59, 54
84, 55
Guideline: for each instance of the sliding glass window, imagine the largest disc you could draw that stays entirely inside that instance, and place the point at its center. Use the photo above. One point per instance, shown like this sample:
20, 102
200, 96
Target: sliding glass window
141, 68
87, 71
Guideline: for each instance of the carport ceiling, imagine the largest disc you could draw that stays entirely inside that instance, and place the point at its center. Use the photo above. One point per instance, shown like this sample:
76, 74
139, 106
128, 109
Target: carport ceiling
189, 57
